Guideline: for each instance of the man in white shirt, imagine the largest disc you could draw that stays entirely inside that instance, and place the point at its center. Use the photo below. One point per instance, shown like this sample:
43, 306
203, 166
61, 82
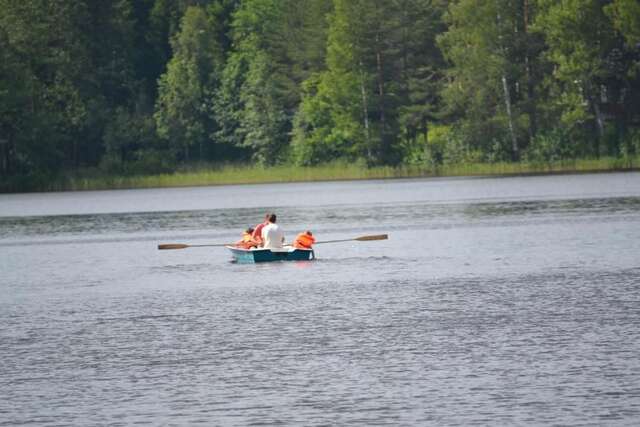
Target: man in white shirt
272, 234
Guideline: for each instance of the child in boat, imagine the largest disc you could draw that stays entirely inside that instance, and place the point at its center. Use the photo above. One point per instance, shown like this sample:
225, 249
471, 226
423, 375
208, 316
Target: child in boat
247, 241
304, 240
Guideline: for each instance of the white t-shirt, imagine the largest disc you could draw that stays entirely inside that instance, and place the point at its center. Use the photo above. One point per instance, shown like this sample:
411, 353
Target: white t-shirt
272, 236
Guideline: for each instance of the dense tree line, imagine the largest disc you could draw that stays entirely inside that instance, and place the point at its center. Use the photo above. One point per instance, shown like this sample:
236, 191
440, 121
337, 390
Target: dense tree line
141, 86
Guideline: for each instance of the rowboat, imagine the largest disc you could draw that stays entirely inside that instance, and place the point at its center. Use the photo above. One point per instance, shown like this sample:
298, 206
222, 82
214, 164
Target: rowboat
288, 253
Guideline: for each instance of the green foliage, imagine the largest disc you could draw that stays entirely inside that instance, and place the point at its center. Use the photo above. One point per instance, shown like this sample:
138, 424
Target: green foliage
630, 148
625, 15
491, 86
446, 146
591, 78
264, 122
324, 128
184, 107
46, 99
549, 147
246, 99
277, 45
380, 87
142, 86
132, 147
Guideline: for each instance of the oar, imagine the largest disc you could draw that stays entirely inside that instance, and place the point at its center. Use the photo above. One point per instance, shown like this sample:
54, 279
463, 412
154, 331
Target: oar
183, 246
358, 239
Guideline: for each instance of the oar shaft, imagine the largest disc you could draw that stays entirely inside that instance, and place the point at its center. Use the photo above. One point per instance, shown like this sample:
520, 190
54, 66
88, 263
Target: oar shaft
184, 246
358, 239
334, 241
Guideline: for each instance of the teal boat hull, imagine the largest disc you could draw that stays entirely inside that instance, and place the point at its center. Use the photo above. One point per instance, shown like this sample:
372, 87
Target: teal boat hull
246, 256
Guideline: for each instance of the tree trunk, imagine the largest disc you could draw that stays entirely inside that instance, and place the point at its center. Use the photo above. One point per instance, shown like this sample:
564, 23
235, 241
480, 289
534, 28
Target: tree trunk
4, 157
365, 113
599, 124
507, 102
531, 104
75, 154
425, 131
383, 124
507, 95
405, 49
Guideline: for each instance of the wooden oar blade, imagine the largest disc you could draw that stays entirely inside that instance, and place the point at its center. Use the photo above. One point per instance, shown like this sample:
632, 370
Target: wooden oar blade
172, 246
374, 237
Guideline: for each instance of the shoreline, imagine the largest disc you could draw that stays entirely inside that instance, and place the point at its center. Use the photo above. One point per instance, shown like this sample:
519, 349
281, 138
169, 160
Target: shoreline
254, 175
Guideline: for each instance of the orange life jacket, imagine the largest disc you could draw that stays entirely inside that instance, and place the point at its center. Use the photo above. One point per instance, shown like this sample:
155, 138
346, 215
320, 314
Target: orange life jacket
304, 241
247, 241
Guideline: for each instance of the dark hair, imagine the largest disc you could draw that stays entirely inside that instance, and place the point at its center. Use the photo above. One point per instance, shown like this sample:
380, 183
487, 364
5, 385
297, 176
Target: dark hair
249, 230
272, 217
309, 233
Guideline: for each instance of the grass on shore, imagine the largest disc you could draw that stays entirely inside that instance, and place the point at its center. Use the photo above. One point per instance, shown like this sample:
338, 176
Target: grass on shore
338, 171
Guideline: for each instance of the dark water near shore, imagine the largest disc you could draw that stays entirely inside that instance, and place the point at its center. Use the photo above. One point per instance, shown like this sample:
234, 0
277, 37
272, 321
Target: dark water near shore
494, 302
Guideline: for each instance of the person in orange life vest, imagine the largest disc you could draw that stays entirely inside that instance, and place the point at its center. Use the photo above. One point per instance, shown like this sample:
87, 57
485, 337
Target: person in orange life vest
247, 241
304, 240
257, 231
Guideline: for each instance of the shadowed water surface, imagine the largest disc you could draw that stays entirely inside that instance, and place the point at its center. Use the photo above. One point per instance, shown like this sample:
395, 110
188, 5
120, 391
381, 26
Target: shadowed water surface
495, 301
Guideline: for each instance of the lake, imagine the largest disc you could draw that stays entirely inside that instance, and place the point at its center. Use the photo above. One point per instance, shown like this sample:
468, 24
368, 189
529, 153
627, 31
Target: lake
495, 301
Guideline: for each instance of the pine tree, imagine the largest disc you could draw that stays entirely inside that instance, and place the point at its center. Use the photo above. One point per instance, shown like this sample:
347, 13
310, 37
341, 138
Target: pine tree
47, 99
260, 87
588, 57
376, 90
490, 89
184, 107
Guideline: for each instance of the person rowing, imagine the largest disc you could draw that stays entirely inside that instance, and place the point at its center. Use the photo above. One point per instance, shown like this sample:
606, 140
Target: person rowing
272, 235
257, 230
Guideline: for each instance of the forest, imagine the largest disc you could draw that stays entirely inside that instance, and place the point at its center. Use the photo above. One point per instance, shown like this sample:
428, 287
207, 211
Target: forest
128, 87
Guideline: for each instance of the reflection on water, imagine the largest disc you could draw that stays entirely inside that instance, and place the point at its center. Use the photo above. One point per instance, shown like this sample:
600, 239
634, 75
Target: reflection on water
486, 311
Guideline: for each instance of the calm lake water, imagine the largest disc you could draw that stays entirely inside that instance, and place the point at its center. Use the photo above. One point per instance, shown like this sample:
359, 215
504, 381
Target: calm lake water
494, 302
